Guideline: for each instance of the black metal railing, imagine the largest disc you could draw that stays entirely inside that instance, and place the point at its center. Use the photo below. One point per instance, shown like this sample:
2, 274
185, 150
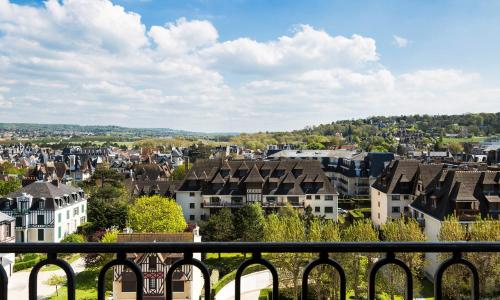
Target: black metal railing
188, 249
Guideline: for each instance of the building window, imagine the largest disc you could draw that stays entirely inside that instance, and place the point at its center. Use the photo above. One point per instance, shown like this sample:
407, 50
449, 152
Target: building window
317, 209
191, 205
128, 282
317, 197
19, 221
83, 208
406, 197
378, 215
152, 284
59, 217
40, 234
308, 197
396, 209
329, 197
191, 217
328, 209
8, 232
378, 203
40, 220
191, 194
178, 286
59, 232
152, 262
395, 197
41, 204
67, 214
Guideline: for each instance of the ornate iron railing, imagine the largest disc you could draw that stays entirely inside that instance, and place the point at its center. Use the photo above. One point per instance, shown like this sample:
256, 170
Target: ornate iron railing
188, 249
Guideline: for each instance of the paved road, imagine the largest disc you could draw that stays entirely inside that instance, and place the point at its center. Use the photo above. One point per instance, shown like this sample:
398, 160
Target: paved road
251, 284
18, 282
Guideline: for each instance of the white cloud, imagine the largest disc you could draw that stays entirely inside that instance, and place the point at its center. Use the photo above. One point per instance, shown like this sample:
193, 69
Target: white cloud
92, 62
400, 42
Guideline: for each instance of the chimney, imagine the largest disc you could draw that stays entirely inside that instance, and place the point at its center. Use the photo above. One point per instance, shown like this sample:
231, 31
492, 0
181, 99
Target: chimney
55, 182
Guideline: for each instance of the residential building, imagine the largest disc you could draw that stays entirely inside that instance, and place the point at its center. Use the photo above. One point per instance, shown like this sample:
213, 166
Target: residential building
213, 184
394, 190
7, 236
187, 280
466, 194
45, 211
353, 175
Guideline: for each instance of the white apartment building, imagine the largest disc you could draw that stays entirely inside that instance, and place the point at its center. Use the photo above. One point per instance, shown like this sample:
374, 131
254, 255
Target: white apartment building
214, 184
45, 211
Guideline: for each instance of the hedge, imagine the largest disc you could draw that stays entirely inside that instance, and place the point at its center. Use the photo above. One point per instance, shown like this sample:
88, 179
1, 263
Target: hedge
18, 266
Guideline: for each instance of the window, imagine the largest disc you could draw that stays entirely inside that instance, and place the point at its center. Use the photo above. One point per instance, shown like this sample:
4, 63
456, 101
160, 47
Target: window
152, 284
152, 262
191, 217
191, 194
40, 234
317, 197
59, 232
59, 217
308, 197
406, 197
395, 197
378, 203
396, 209
41, 204
40, 220
329, 197
191, 205
317, 209
128, 282
8, 232
378, 215
83, 208
67, 214
178, 286
19, 221
328, 209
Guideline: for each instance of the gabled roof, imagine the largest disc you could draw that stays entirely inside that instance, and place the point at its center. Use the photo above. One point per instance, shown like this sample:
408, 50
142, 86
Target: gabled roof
254, 176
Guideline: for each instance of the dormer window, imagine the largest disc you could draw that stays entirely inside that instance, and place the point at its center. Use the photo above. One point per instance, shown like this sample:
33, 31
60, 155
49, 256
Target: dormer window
41, 204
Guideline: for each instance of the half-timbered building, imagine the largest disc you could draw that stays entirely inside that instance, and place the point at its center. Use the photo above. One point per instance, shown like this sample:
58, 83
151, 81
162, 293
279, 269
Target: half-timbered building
187, 282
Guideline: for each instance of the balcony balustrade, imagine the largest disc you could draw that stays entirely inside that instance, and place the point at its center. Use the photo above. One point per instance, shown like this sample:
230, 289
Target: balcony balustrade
324, 250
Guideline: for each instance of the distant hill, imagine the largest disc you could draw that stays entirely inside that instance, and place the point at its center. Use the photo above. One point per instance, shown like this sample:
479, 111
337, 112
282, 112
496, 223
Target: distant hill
64, 129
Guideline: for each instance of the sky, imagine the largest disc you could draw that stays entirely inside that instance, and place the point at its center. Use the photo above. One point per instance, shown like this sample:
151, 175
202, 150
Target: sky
242, 65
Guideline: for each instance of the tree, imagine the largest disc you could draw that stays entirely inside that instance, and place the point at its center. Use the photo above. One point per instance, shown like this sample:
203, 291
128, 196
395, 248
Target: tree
359, 263
74, 238
56, 280
287, 227
487, 264
455, 147
250, 222
107, 207
456, 279
400, 230
219, 227
9, 186
180, 172
98, 260
156, 214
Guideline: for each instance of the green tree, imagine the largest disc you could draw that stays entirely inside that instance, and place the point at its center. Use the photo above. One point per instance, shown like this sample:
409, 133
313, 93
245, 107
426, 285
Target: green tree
180, 172
56, 280
107, 207
359, 263
287, 227
219, 227
9, 186
487, 264
455, 147
250, 220
456, 279
74, 238
156, 214
400, 230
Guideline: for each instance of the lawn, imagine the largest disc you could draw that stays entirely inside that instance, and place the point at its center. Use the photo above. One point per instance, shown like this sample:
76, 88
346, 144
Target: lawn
70, 259
86, 286
473, 139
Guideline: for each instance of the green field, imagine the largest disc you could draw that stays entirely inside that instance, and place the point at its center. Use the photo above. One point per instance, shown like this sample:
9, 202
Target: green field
473, 139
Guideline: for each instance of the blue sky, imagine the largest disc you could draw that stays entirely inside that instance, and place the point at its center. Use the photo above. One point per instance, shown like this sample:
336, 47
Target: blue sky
445, 46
